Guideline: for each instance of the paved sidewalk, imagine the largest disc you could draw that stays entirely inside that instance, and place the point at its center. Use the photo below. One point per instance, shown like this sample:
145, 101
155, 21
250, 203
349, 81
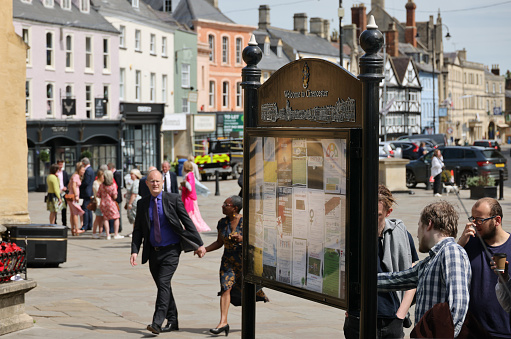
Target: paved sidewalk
96, 293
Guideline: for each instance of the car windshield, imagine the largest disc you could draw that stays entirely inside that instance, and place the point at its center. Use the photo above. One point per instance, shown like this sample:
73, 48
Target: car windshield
492, 154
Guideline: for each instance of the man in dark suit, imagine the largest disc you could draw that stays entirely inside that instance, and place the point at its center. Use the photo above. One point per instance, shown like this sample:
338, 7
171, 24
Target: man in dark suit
164, 227
63, 181
169, 179
86, 194
118, 182
143, 189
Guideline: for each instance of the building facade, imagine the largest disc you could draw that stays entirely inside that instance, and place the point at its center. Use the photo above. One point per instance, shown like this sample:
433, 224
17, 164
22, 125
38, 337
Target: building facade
72, 77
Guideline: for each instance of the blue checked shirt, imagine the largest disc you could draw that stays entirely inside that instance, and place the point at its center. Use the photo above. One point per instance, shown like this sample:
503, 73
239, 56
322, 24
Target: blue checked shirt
444, 276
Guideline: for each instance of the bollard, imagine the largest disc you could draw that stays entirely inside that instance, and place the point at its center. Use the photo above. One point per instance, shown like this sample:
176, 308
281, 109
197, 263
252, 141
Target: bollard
501, 184
217, 184
428, 183
457, 176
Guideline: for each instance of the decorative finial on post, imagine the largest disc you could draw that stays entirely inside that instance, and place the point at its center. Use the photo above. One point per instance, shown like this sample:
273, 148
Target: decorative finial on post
371, 40
252, 54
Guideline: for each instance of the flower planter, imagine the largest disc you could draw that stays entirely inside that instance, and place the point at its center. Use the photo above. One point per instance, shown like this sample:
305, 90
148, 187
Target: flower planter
478, 192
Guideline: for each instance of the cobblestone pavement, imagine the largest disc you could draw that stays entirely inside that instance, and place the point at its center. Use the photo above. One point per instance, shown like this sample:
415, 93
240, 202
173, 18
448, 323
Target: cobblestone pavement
96, 293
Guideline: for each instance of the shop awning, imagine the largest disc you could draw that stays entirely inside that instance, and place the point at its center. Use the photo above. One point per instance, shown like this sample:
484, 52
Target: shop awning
501, 125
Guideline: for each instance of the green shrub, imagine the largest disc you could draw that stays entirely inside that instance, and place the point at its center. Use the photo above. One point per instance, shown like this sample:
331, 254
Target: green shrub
482, 180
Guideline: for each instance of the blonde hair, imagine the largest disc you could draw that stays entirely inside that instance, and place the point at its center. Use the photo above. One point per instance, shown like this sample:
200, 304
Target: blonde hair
136, 172
79, 166
109, 178
187, 166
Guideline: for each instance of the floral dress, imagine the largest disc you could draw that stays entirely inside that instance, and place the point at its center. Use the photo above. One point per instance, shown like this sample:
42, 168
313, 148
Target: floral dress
232, 263
108, 206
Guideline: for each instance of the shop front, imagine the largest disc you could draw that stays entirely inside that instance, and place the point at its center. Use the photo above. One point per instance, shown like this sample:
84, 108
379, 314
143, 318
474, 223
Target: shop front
69, 140
142, 135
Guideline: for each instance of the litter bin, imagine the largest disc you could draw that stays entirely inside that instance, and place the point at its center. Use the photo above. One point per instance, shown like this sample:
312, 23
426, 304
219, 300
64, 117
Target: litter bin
181, 162
46, 243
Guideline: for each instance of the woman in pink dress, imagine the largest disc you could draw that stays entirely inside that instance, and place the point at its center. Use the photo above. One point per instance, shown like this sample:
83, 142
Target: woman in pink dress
189, 197
73, 204
107, 192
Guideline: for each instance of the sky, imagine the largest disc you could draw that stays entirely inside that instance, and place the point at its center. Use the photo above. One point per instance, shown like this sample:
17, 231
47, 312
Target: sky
482, 27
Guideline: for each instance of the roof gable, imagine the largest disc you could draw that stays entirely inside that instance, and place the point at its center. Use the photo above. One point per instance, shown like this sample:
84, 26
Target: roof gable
305, 43
189, 10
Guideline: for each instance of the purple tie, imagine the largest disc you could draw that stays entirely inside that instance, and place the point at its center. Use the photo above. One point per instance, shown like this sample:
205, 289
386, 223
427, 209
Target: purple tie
156, 222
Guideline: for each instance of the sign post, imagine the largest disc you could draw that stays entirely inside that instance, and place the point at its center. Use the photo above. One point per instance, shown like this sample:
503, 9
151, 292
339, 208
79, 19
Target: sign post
310, 136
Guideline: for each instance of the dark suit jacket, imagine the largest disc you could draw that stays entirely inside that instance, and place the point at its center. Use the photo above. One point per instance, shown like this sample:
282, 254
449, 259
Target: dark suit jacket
65, 178
118, 181
173, 182
178, 219
86, 186
143, 190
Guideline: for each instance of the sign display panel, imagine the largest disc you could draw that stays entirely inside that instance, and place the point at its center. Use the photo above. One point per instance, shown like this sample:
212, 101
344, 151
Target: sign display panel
297, 211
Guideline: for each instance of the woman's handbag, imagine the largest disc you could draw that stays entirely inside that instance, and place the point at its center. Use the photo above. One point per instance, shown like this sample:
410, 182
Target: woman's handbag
69, 196
92, 206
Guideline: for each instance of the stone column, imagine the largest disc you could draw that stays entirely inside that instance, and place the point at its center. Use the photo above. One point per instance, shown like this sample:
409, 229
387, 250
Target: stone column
13, 129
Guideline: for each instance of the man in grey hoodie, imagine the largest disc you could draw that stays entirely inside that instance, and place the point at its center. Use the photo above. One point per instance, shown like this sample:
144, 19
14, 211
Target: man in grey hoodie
396, 252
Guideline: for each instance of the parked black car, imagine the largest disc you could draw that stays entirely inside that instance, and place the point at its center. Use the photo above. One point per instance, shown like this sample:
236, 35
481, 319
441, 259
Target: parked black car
409, 150
487, 143
472, 160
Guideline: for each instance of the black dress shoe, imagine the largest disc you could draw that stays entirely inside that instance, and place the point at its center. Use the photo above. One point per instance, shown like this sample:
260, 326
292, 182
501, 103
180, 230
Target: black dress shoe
154, 328
219, 330
171, 326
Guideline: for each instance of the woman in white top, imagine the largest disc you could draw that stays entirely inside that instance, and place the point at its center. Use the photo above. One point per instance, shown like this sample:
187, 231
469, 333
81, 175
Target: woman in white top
437, 163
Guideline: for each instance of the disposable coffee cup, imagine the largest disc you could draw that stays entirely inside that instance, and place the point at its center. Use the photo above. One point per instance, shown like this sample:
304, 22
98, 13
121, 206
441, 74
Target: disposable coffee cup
500, 261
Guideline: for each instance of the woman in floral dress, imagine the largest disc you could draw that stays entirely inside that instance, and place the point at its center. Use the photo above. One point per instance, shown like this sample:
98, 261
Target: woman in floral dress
230, 235
107, 192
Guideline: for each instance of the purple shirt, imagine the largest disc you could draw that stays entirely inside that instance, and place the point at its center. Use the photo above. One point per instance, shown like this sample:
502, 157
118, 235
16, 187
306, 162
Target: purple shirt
168, 236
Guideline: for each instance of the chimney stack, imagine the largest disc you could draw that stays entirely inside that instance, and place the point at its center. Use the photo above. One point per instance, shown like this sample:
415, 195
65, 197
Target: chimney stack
359, 18
213, 3
326, 29
375, 3
264, 16
462, 54
495, 69
392, 38
300, 22
411, 29
317, 27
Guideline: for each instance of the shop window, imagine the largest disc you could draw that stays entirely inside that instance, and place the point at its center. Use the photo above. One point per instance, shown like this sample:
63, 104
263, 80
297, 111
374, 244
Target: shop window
141, 143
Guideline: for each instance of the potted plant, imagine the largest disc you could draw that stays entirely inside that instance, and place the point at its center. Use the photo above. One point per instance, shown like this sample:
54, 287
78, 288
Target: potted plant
482, 186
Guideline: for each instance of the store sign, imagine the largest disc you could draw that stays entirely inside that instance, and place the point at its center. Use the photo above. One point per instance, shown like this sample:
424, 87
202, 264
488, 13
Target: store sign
233, 123
497, 111
68, 106
204, 123
174, 122
442, 111
100, 107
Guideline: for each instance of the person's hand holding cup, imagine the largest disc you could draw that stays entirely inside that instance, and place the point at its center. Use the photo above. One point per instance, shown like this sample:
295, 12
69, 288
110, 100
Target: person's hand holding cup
500, 265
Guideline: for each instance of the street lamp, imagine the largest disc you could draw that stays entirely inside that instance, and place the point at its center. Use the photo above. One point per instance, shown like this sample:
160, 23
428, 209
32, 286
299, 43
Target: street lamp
447, 36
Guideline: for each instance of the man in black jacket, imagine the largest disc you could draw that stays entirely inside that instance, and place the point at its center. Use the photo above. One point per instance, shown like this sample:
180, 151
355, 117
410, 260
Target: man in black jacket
86, 194
164, 227
63, 181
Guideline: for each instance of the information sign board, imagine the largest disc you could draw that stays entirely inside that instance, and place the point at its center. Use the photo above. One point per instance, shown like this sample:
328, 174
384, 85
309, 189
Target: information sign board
297, 158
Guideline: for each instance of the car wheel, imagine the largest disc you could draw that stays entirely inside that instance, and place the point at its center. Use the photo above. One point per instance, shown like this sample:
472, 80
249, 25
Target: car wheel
463, 179
411, 182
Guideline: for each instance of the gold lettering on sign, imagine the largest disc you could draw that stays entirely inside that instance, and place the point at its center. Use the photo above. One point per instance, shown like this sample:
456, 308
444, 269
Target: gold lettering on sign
342, 111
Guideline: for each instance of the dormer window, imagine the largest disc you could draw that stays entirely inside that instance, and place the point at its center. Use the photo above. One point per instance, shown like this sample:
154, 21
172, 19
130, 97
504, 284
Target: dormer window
134, 3
65, 4
167, 6
84, 6
266, 48
48, 3
279, 51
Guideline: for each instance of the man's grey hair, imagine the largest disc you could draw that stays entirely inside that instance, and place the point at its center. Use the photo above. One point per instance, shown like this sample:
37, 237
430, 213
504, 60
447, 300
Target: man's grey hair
86, 161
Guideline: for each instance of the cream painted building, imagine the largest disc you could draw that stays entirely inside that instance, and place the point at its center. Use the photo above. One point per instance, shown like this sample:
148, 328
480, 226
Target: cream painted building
13, 193
472, 98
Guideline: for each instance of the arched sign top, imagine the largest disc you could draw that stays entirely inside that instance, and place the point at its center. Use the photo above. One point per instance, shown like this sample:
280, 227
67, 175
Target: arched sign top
310, 93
